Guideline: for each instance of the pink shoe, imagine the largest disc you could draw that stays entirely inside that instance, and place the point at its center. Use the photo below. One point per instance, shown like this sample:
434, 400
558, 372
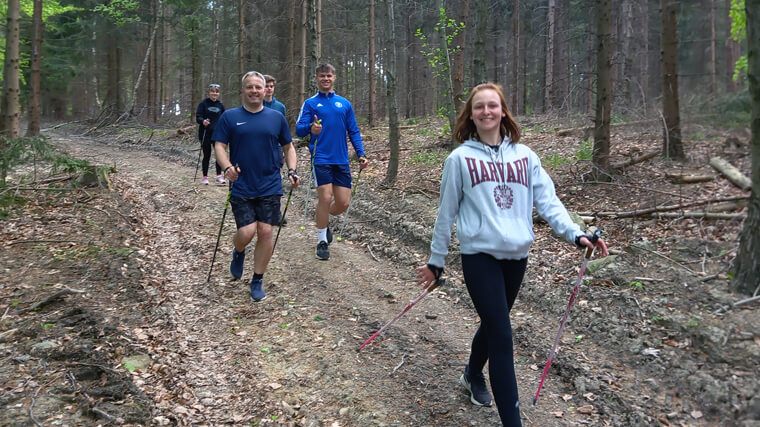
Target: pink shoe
220, 179
205, 180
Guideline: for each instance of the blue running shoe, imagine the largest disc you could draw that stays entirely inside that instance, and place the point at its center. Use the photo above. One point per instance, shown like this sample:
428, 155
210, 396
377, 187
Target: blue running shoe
236, 266
257, 290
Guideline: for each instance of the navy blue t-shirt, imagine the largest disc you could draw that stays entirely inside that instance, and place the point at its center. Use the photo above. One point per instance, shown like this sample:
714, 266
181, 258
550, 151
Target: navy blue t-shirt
254, 140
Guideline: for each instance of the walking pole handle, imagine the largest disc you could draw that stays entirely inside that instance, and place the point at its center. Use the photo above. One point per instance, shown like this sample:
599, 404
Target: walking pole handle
593, 234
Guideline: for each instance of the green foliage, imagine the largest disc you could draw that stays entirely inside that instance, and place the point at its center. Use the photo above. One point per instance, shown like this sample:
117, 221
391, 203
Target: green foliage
425, 157
637, 286
555, 161
738, 16
586, 150
18, 151
69, 164
436, 56
119, 11
9, 202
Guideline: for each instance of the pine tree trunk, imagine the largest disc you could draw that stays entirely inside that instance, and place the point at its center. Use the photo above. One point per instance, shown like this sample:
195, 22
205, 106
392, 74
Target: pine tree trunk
390, 77
479, 50
515, 83
672, 145
549, 67
371, 74
458, 74
34, 81
747, 263
10, 108
601, 151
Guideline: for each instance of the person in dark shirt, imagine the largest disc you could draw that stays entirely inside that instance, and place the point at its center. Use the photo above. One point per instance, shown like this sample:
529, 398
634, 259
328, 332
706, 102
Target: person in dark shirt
207, 114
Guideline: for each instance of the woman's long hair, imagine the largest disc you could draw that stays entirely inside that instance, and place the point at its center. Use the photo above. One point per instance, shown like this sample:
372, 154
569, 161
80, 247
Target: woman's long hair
465, 128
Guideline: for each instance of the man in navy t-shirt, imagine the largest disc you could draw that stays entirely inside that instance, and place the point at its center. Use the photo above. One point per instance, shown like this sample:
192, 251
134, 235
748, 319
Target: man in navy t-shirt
254, 135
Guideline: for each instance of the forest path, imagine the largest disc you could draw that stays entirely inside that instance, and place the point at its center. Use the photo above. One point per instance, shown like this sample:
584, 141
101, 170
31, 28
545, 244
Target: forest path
225, 359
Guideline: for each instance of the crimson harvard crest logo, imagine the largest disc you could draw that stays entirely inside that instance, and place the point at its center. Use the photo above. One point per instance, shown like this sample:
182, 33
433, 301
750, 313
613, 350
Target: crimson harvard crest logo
503, 197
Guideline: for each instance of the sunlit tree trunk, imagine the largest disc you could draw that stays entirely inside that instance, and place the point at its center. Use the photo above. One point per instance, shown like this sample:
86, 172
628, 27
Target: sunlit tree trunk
33, 127
672, 145
747, 263
390, 77
601, 151
371, 58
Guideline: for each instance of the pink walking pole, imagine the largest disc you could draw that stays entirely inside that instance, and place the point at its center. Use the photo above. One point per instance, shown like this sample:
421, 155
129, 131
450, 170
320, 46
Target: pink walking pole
589, 251
429, 289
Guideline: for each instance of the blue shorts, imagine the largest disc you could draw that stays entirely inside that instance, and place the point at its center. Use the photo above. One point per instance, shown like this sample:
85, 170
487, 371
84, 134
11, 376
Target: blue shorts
339, 175
260, 209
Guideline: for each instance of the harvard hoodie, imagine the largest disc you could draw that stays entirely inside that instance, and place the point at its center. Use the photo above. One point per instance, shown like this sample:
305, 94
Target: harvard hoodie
491, 193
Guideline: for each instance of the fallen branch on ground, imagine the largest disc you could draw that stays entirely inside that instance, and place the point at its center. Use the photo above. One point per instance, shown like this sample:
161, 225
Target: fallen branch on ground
50, 299
731, 173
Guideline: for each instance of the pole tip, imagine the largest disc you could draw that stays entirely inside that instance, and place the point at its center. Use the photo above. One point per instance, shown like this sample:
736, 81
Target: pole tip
535, 399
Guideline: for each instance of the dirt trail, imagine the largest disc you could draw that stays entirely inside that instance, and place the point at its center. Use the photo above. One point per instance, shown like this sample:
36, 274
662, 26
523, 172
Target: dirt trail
646, 343
292, 356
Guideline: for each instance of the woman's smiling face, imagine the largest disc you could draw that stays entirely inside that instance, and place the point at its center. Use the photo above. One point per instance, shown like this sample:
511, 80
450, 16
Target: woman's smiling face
486, 111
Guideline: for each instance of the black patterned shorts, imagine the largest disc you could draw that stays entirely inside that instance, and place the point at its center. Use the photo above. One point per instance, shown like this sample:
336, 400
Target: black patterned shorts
260, 209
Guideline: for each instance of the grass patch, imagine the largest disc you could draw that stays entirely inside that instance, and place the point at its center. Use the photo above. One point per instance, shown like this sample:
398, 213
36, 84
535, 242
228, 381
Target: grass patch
425, 157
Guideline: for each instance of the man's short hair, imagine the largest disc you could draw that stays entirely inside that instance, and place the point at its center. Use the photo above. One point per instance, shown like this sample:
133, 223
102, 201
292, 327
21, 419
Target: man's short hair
325, 68
252, 73
268, 78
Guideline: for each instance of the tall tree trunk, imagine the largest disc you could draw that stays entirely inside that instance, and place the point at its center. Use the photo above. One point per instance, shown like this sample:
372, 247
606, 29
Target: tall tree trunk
458, 74
626, 51
133, 98
448, 87
644, 73
479, 49
549, 67
9, 125
241, 38
371, 74
314, 41
291, 98
195, 64
515, 83
33, 127
672, 145
113, 96
390, 77
747, 263
713, 53
601, 151
318, 30
304, 61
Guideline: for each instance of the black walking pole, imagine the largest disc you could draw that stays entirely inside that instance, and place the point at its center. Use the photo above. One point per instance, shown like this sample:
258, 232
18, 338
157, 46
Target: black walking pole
218, 236
290, 193
198, 163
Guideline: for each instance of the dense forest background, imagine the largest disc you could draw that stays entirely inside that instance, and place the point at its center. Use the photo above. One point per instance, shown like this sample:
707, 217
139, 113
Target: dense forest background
542, 51
600, 62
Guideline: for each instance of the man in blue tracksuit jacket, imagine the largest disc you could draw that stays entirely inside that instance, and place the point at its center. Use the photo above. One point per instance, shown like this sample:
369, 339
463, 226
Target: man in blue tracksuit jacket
329, 117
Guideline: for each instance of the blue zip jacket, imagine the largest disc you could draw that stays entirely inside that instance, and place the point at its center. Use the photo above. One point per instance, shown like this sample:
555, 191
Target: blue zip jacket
338, 120
275, 105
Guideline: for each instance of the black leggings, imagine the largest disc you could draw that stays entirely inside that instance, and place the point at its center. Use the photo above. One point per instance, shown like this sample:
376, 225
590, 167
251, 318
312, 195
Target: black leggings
206, 146
493, 285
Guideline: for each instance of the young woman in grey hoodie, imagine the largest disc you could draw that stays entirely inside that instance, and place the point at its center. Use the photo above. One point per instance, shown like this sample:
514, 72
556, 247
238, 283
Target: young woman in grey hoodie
490, 185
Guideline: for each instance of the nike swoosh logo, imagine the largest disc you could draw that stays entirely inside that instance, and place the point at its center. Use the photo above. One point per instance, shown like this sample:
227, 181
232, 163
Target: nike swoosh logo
320, 105
240, 123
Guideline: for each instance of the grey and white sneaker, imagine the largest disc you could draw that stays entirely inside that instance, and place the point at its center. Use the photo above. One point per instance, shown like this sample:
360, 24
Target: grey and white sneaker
476, 385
